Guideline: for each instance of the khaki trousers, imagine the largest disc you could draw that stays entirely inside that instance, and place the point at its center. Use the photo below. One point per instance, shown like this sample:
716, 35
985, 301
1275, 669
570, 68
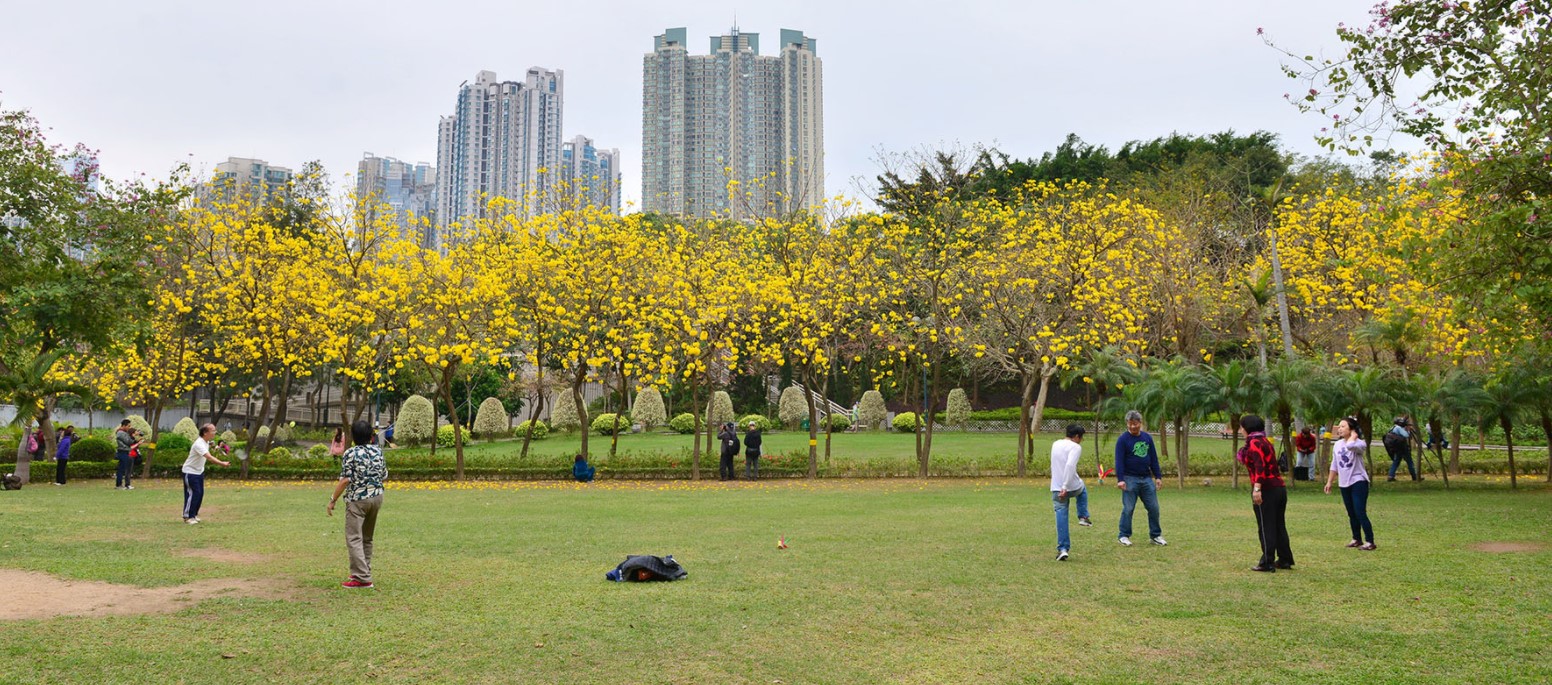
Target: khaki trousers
360, 522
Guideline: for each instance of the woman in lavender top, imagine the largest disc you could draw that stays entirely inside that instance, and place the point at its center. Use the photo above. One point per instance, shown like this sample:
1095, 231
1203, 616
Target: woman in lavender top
1350, 475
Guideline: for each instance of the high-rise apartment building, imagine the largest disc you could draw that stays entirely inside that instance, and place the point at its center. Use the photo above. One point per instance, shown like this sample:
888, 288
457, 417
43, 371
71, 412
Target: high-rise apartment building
590, 173
732, 115
503, 140
254, 175
410, 189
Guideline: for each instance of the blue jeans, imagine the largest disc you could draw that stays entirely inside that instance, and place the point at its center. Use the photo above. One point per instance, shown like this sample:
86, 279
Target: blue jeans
1355, 498
125, 467
1062, 540
1140, 487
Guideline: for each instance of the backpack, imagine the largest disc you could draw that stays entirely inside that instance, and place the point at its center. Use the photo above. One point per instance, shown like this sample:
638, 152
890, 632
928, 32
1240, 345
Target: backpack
1395, 444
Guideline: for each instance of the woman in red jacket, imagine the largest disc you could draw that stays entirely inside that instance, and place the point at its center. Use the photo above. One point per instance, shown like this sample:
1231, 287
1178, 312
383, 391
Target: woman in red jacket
1268, 496
1304, 468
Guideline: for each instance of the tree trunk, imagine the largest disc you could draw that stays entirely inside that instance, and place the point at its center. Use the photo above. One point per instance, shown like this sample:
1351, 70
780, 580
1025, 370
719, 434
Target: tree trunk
1455, 447
1027, 383
1282, 296
614, 432
156, 430
1182, 443
932, 403
1234, 447
452, 413
253, 431
576, 398
280, 410
1508, 429
813, 426
695, 453
1163, 437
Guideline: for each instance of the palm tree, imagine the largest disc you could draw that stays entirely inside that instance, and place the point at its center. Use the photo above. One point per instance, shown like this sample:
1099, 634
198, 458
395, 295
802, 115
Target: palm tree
28, 386
1234, 388
1396, 333
1447, 396
1172, 390
1260, 291
1107, 370
1324, 403
1287, 392
1538, 381
1369, 392
1507, 394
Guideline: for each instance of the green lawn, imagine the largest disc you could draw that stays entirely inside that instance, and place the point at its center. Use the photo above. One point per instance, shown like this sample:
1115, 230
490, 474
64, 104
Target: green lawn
886, 581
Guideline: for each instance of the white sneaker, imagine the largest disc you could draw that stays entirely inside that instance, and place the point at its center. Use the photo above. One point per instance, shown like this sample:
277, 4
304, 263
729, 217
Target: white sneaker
1061, 555
129, 487
1084, 521
1160, 541
191, 521
1125, 542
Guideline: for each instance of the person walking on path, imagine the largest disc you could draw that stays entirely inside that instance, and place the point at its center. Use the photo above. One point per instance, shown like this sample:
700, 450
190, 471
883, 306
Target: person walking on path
1067, 486
752, 442
1352, 477
194, 473
729, 437
1268, 496
362, 472
124, 440
62, 454
1398, 442
1304, 468
1137, 474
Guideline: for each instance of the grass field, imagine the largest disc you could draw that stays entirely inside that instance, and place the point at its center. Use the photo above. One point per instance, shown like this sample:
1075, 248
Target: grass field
886, 581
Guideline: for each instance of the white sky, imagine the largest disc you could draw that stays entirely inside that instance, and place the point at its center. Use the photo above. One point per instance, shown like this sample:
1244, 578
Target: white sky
151, 83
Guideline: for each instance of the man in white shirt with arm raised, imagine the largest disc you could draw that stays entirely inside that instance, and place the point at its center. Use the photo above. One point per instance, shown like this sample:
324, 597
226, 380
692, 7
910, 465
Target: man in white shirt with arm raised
1067, 486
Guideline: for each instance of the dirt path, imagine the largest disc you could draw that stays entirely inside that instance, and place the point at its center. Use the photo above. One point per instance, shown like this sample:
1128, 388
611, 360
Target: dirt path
45, 596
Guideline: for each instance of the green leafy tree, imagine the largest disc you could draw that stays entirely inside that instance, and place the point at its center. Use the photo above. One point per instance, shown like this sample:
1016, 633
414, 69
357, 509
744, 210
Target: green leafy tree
1507, 397
1234, 388
29, 387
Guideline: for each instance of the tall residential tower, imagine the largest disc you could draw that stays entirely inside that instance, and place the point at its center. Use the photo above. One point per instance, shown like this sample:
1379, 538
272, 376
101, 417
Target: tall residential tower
732, 115
503, 140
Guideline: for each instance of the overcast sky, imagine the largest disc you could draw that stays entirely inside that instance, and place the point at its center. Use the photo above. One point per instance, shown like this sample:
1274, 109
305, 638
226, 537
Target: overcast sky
151, 83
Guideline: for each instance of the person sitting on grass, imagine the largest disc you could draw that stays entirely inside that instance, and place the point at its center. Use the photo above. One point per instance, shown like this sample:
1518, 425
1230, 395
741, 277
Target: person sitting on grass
581, 470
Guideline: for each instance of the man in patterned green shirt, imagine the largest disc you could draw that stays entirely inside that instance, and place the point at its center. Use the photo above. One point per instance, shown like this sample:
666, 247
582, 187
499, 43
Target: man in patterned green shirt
362, 472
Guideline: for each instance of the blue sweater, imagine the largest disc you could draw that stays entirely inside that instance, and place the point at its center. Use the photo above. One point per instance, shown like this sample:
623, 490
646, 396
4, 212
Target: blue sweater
1136, 456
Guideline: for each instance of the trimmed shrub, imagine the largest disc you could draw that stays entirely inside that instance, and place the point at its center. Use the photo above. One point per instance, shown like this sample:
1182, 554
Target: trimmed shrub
684, 424
540, 431
186, 428
563, 412
839, 422
174, 445
905, 422
604, 424
140, 424
871, 411
229, 437
957, 413
491, 419
416, 422
445, 436
765, 423
318, 451
278, 454
92, 449
648, 408
793, 407
721, 408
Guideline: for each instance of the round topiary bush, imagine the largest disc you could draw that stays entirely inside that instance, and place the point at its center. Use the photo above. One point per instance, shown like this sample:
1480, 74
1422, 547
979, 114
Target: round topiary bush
278, 454
605, 424
140, 424
839, 422
445, 436
173, 444
92, 449
563, 412
721, 408
957, 413
871, 411
765, 423
186, 428
648, 409
229, 437
416, 421
540, 431
905, 422
319, 451
684, 424
793, 407
490, 421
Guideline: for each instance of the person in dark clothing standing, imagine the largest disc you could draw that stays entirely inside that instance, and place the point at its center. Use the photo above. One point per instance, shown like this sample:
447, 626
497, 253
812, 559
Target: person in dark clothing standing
1137, 474
62, 454
729, 437
752, 452
1268, 496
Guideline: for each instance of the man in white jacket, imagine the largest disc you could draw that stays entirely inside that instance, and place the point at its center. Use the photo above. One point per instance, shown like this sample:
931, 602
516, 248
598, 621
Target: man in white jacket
1066, 485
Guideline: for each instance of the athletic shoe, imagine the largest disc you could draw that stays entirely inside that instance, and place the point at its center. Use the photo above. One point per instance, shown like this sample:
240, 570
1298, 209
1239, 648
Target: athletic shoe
1263, 569
1158, 541
1125, 542
1355, 543
129, 487
1084, 521
1284, 565
59, 483
355, 584
1369, 547
191, 521
1061, 555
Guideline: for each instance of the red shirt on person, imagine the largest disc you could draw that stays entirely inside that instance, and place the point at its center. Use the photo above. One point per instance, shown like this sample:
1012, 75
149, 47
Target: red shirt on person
1260, 459
1304, 443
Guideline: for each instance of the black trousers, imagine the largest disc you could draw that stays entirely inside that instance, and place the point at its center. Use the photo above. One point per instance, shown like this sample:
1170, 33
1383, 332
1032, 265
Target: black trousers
59, 471
1272, 525
725, 469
